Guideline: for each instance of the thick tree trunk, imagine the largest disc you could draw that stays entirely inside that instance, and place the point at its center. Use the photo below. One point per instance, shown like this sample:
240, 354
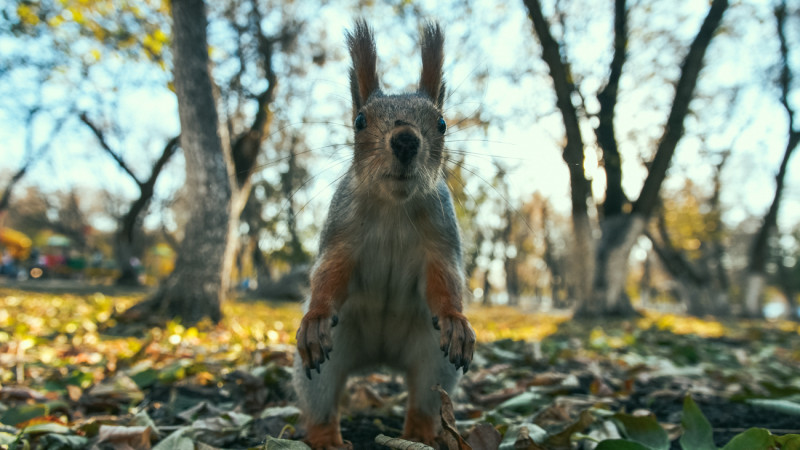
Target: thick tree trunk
608, 297
196, 287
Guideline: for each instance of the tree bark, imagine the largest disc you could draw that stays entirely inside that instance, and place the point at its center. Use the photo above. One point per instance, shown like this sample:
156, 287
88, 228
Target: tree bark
583, 250
684, 92
195, 289
759, 253
607, 97
620, 233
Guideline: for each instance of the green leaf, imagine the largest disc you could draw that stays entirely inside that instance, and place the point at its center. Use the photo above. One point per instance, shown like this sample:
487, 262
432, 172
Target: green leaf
178, 440
525, 403
620, 444
752, 439
19, 414
789, 441
63, 442
145, 378
780, 406
643, 429
47, 427
283, 444
697, 433
7, 438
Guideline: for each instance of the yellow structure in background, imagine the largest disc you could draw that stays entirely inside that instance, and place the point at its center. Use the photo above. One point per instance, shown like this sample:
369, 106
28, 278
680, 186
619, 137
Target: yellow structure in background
17, 243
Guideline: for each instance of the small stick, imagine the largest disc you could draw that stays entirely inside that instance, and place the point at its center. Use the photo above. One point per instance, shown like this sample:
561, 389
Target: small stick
401, 444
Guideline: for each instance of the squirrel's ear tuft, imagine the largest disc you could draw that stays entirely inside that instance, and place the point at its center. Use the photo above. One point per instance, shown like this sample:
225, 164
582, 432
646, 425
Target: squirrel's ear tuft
432, 45
363, 73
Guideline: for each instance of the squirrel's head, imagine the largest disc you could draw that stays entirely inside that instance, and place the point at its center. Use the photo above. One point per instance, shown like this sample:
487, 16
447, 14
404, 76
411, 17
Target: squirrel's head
399, 139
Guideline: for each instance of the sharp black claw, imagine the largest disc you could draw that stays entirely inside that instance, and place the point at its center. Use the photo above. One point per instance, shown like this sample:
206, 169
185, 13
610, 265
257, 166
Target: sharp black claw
308, 372
436, 322
334, 320
466, 367
316, 366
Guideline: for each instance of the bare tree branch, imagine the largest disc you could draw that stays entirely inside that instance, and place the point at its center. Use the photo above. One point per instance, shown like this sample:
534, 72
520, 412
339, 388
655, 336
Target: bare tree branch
607, 97
33, 155
673, 130
104, 144
564, 89
760, 248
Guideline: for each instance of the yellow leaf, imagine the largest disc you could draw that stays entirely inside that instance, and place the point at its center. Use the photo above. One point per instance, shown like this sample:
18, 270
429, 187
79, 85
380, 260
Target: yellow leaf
27, 15
96, 54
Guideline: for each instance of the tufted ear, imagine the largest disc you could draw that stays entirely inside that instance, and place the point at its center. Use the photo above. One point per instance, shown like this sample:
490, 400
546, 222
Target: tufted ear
363, 73
432, 46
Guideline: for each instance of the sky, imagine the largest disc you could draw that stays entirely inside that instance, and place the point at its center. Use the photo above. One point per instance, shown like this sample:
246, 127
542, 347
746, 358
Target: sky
525, 133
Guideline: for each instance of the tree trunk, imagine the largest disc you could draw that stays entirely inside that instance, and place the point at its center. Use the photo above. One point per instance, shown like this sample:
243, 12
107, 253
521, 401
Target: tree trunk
608, 297
487, 301
580, 187
196, 287
756, 270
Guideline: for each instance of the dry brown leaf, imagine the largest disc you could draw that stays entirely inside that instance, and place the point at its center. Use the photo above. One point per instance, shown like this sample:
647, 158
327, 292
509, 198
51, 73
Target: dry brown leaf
125, 438
484, 437
562, 440
449, 434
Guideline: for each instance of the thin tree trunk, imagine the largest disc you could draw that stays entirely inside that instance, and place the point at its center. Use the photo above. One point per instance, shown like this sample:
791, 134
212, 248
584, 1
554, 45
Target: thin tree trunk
607, 98
130, 222
759, 253
580, 188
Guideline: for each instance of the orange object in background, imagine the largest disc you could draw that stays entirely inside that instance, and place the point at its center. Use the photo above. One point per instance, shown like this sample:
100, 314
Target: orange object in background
17, 243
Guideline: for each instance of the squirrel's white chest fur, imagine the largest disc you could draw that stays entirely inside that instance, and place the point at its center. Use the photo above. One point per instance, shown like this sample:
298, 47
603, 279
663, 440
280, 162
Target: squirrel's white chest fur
385, 302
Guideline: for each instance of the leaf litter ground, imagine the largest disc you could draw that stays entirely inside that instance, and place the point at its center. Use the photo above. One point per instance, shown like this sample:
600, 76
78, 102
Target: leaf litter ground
540, 380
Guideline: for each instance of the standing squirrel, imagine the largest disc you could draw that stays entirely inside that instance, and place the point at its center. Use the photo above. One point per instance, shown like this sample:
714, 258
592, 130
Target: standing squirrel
388, 283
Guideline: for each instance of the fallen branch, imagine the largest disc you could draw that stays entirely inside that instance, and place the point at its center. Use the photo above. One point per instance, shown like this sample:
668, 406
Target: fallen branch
401, 444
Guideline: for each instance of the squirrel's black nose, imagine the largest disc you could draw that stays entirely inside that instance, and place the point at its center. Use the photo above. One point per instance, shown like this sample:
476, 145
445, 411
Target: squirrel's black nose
405, 146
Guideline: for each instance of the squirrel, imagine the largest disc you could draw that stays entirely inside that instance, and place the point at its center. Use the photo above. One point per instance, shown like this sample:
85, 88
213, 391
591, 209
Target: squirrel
387, 286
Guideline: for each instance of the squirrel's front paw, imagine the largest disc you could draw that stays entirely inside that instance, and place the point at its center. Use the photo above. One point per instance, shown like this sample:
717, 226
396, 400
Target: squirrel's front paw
457, 339
314, 340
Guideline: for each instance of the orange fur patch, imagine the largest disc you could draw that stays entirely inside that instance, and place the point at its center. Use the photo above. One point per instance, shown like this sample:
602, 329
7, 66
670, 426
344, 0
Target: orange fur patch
419, 427
329, 282
324, 436
442, 291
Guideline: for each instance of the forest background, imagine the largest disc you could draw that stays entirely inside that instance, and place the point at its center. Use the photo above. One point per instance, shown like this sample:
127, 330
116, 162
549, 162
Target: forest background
607, 158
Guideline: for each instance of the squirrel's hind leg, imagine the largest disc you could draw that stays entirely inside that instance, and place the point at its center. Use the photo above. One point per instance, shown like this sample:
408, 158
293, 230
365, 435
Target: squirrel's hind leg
318, 399
423, 421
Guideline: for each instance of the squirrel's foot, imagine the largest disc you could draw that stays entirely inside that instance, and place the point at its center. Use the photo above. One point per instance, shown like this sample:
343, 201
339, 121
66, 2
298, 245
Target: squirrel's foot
420, 427
314, 340
326, 437
457, 339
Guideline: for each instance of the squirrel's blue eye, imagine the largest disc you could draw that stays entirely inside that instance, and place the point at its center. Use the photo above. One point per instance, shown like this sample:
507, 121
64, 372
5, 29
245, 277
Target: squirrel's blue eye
441, 125
361, 122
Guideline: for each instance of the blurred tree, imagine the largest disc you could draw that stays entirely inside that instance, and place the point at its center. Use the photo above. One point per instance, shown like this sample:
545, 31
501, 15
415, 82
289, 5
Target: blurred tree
131, 220
33, 154
604, 266
786, 259
689, 239
196, 287
759, 252
238, 157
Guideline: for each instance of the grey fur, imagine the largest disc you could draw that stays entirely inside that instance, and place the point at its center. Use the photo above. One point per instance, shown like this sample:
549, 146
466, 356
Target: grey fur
393, 219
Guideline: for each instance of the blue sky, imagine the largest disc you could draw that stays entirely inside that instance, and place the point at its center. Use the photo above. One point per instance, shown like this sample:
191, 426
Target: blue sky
526, 133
